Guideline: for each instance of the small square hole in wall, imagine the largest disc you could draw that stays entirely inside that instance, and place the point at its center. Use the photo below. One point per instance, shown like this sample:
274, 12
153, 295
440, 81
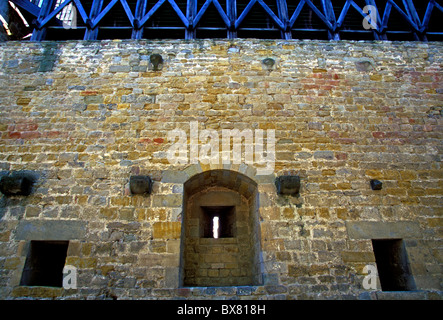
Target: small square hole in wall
218, 221
44, 264
393, 265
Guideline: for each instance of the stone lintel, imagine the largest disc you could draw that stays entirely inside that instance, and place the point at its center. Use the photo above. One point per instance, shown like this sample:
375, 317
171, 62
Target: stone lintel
51, 230
383, 230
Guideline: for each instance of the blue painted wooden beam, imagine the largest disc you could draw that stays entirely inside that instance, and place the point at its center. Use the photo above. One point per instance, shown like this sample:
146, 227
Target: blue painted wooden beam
412, 13
203, 9
109, 7
96, 21
357, 7
376, 32
410, 8
191, 12
81, 10
343, 13
427, 17
404, 15
28, 6
296, 13
319, 14
199, 15
39, 32
439, 7
55, 12
384, 21
330, 16
244, 13
92, 33
283, 14
179, 13
128, 12
231, 12
272, 15
151, 12
140, 10
222, 13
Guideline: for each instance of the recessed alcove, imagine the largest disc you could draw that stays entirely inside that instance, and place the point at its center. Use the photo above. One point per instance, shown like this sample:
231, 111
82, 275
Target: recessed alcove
227, 254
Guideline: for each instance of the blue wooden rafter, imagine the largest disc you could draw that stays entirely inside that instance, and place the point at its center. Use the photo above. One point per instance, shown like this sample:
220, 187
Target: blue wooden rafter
50, 16
191, 18
272, 15
191, 11
244, 13
28, 6
40, 31
406, 17
343, 14
179, 13
231, 12
283, 14
140, 10
92, 32
330, 16
296, 13
319, 14
431, 5
151, 12
376, 31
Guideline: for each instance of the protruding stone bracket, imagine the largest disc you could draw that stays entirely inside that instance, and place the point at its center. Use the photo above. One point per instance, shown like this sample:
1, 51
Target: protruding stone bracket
17, 184
140, 185
268, 63
376, 184
288, 185
156, 61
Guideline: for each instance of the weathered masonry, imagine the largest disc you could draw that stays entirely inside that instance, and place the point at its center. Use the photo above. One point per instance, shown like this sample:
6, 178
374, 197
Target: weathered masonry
223, 168
356, 183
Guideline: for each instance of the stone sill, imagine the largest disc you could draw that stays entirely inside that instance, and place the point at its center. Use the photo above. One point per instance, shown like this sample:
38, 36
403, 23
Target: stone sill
37, 292
218, 240
402, 295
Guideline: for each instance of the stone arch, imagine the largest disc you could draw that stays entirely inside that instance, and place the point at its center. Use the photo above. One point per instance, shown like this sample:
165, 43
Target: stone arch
233, 258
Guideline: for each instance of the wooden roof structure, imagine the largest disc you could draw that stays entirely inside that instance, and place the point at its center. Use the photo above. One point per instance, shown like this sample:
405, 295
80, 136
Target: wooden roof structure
413, 20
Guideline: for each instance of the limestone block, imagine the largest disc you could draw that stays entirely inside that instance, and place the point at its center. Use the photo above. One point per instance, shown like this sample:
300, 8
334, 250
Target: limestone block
167, 230
383, 230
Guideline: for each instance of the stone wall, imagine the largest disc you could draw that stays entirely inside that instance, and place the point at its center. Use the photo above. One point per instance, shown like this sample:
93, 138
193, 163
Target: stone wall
82, 117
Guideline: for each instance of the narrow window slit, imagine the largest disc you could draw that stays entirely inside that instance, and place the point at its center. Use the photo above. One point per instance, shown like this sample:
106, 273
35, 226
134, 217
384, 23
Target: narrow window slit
218, 222
215, 228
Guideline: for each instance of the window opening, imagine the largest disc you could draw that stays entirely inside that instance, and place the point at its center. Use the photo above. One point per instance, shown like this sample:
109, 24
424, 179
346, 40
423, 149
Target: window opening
44, 264
218, 222
215, 227
393, 265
